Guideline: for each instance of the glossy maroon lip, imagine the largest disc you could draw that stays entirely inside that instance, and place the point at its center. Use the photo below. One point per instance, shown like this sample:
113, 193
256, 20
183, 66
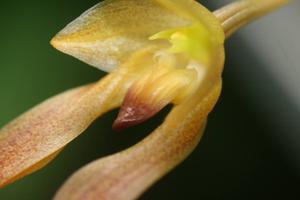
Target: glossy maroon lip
134, 111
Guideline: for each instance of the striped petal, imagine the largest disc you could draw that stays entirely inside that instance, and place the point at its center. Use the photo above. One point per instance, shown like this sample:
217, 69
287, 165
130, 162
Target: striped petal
36, 137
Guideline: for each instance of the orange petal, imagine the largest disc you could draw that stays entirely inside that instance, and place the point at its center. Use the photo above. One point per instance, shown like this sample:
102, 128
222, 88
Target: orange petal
127, 174
33, 139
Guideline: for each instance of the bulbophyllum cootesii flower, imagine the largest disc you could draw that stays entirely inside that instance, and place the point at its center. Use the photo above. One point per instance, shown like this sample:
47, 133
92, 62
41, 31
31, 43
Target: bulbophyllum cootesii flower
157, 52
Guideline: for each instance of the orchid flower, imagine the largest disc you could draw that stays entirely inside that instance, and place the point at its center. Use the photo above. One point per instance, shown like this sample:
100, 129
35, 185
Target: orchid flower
156, 52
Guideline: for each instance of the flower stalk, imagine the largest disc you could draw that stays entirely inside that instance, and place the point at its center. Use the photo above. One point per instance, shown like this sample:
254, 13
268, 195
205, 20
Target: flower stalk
237, 14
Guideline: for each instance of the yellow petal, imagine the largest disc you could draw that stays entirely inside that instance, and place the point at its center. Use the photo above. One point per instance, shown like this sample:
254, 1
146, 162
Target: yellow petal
33, 139
125, 175
108, 33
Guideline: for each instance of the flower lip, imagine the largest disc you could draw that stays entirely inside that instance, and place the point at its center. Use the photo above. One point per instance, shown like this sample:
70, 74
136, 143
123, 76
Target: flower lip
133, 112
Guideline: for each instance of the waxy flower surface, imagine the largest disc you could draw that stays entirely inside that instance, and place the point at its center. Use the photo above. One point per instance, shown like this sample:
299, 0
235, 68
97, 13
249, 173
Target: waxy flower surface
157, 52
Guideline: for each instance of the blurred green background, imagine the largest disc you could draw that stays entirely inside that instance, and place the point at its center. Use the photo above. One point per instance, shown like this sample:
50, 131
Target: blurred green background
239, 157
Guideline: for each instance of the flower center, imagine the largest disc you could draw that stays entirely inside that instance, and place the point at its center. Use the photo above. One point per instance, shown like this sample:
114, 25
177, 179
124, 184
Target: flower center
194, 41
174, 75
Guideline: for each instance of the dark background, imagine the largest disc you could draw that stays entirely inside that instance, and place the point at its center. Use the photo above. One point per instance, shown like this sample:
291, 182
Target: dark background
250, 149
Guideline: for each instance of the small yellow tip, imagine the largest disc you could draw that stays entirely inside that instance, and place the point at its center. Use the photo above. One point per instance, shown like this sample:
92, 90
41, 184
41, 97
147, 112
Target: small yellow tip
62, 44
56, 43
